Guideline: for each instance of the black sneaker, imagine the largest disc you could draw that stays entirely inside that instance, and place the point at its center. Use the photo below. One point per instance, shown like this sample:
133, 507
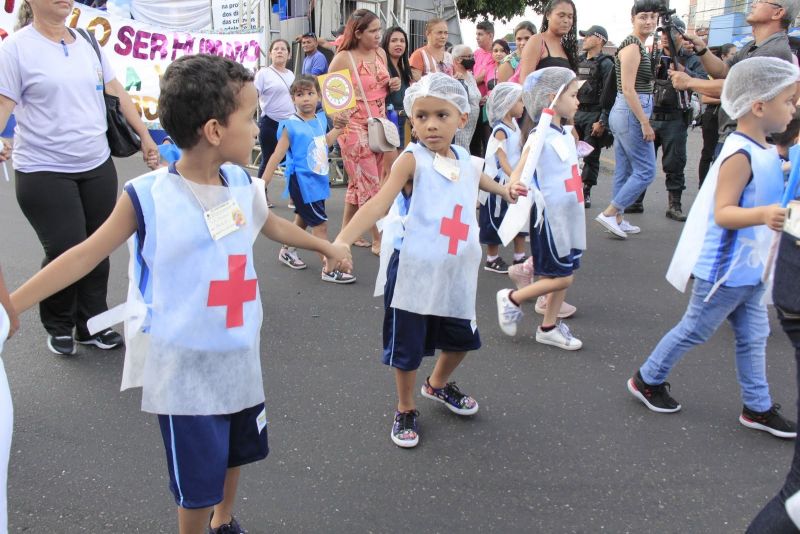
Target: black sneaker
61, 345
229, 528
497, 265
770, 421
106, 340
523, 259
587, 197
404, 430
636, 207
657, 398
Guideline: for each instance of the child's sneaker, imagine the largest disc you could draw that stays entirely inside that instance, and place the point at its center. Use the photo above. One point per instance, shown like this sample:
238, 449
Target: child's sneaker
770, 421
508, 313
106, 340
521, 273
611, 224
338, 277
567, 310
655, 397
228, 528
523, 259
451, 396
560, 337
288, 257
497, 265
404, 430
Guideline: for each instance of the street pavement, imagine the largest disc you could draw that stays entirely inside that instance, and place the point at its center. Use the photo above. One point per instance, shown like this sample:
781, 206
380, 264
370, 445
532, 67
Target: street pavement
557, 446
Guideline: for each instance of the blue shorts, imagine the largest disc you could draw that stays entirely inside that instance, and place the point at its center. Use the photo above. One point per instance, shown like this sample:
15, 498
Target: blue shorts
489, 224
312, 213
408, 336
545, 259
201, 448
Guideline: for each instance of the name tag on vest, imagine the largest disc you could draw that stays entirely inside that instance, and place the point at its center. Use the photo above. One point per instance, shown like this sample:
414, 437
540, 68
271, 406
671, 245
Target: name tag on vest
224, 219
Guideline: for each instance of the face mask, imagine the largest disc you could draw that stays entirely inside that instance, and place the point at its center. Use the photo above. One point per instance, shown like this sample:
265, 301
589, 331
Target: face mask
468, 63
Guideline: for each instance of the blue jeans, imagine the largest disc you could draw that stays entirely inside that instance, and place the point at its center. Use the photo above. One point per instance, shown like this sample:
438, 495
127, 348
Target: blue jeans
635, 158
748, 317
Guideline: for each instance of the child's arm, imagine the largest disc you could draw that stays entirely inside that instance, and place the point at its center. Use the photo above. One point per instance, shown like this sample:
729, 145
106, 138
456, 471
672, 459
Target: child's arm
402, 172
282, 231
276, 157
76, 263
516, 175
734, 174
339, 122
5, 301
501, 154
509, 192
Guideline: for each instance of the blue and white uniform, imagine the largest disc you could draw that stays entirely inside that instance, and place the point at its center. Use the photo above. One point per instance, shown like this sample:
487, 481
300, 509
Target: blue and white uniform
494, 208
307, 181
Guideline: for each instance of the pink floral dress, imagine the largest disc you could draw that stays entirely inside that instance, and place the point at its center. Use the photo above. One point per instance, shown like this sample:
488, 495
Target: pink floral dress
363, 166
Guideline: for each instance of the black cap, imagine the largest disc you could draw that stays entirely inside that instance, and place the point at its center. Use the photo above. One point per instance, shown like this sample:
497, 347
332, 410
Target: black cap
595, 30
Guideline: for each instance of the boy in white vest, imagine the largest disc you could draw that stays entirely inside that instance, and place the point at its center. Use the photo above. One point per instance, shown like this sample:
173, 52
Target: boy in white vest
193, 315
430, 252
725, 245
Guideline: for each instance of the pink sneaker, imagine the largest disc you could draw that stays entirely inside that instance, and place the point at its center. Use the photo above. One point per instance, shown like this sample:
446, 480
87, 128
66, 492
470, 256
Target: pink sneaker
522, 273
567, 310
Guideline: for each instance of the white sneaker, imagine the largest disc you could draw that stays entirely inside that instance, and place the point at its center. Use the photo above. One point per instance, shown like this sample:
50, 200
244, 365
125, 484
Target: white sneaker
288, 257
629, 228
560, 337
611, 224
508, 313
338, 277
567, 310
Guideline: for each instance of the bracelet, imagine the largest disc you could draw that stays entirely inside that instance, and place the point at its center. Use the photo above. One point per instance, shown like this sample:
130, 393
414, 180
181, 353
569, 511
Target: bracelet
701, 53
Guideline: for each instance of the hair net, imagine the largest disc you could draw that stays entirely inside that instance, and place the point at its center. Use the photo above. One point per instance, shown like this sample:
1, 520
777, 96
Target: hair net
540, 84
439, 85
501, 100
753, 80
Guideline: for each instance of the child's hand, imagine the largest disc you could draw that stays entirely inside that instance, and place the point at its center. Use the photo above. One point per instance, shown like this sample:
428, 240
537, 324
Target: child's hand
13, 318
774, 217
339, 121
339, 257
513, 191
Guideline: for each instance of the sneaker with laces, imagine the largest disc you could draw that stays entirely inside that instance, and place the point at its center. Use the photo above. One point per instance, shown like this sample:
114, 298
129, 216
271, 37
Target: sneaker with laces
521, 273
228, 528
451, 397
338, 277
611, 224
567, 310
629, 228
655, 397
508, 313
106, 340
289, 258
61, 345
497, 265
560, 337
404, 429
770, 421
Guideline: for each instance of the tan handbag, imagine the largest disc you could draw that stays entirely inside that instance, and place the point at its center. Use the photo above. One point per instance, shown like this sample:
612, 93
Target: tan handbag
382, 134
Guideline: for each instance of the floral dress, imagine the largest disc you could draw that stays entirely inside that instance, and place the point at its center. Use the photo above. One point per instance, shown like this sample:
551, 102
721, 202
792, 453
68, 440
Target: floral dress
363, 166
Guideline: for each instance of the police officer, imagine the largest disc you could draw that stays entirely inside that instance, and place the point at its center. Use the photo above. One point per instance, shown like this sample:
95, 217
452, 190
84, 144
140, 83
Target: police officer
670, 120
591, 121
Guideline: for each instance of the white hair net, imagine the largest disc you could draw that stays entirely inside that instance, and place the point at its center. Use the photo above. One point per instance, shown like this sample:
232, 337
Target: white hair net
501, 100
753, 80
540, 84
439, 85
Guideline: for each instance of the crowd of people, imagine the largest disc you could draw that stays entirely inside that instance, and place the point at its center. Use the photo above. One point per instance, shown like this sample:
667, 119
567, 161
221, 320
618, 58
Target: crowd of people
539, 116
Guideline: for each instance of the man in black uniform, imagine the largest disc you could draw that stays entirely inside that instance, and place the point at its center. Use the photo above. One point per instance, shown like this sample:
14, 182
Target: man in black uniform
670, 121
591, 121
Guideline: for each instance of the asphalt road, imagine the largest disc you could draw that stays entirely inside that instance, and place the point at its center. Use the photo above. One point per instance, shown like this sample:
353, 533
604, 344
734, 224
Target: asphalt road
558, 444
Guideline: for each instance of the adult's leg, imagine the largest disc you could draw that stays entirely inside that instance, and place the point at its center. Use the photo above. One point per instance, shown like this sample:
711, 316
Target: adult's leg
268, 139
643, 160
591, 162
675, 137
52, 204
98, 192
710, 127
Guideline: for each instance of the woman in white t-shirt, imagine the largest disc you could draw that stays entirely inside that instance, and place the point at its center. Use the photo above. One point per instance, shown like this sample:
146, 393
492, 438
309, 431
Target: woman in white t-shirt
66, 183
274, 99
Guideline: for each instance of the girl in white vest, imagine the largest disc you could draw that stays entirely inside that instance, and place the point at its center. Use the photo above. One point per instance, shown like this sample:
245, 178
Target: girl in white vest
9, 323
193, 315
430, 252
558, 223
725, 245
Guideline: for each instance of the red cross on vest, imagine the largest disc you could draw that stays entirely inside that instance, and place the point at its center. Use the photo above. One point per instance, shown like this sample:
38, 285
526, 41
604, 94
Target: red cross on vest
234, 291
454, 229
575, 184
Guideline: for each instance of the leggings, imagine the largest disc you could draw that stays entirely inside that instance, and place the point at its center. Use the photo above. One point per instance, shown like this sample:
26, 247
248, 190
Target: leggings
64, 209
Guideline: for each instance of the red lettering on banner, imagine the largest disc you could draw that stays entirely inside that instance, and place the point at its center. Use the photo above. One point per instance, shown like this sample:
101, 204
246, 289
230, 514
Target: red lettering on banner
158, 45
125, 44
139, 43
187, 46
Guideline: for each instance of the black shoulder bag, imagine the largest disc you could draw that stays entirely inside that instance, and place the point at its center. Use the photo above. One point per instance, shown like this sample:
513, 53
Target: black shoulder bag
122, 140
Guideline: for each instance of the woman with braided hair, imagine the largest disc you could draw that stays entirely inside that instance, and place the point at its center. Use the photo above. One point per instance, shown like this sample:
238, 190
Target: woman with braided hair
557, 44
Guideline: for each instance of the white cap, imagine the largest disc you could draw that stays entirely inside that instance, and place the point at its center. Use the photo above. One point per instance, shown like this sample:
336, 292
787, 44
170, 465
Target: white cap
439, 85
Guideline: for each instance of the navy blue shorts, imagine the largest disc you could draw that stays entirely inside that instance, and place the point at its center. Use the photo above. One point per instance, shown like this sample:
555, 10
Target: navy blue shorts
489, 224
408, 336
545, 259
313, 213
201, 448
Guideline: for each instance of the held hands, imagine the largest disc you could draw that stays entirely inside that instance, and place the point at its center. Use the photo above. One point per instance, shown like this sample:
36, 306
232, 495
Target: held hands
774, 217
150, 153
394, 84
339, 257
648, 134
598, 129
513, 191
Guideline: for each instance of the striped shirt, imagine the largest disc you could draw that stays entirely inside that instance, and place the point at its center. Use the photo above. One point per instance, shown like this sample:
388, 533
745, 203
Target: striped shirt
644, 75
